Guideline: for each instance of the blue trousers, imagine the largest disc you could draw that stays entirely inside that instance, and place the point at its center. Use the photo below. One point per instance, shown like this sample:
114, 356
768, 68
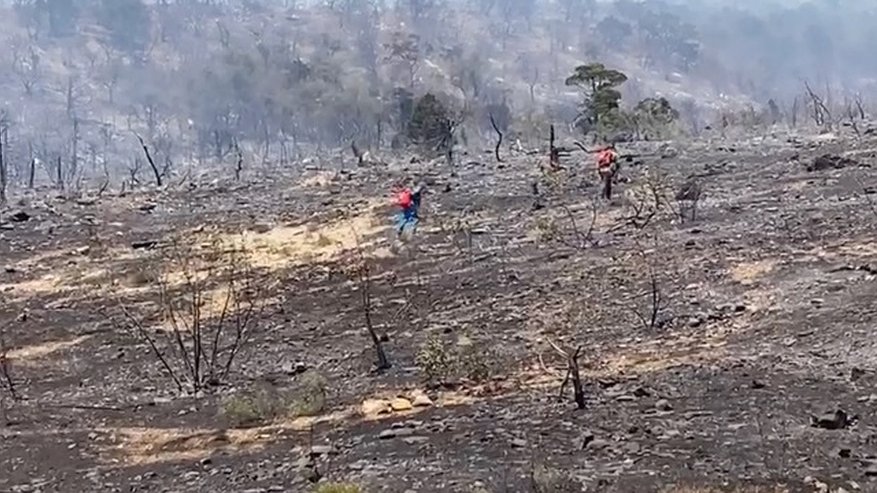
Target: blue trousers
406, 218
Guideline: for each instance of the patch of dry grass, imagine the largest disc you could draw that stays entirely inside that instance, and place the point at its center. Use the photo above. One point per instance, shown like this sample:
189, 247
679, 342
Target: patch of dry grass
274, 249
145, 446
319, 179
287, 246
31, 354
663, 353
338, 488
748, 273
142, 446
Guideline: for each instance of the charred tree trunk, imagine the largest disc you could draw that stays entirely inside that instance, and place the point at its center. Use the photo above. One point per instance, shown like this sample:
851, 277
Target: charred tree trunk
3, 174
59, 169
383, 362
499, 140
74, 146
32, 172
860, 107
155, 170
380, 134
239, 166
356, 152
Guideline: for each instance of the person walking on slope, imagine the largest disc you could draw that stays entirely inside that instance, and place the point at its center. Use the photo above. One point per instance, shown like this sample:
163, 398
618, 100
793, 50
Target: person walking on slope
409, 201
607, 165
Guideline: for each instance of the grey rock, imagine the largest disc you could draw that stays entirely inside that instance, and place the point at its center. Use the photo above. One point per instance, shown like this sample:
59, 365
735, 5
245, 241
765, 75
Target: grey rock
663, 405
415, 440
395, 433
641, 392
598, 444
318, 450
833, 420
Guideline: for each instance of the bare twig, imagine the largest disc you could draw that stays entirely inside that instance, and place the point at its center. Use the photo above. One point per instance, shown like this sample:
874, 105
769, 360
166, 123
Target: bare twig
5, 368
582, 238
572, 373
137, 328
362, 271
649, 320
199, 351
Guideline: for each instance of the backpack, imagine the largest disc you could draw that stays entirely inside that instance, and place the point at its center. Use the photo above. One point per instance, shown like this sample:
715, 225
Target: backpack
606, 158
404, 199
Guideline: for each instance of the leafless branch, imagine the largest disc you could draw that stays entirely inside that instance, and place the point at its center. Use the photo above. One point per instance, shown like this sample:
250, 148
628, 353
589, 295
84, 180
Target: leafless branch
821, 114
572, 373
200, 349
361, 269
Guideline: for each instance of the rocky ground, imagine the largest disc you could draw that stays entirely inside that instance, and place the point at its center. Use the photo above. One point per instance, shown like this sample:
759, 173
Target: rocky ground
756, 372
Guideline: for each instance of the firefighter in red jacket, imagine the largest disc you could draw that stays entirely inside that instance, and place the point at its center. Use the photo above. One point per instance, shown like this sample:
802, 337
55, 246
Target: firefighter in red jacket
607, 166
409, 201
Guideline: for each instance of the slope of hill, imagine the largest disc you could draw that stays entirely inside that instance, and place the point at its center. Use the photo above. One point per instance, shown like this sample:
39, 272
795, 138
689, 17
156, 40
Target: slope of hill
726, 353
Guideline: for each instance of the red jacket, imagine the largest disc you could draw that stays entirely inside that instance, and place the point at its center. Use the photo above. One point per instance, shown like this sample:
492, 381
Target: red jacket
404, 198
606, 158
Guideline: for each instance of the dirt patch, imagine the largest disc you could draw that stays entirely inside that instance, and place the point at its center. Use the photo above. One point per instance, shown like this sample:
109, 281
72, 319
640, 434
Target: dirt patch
319, 179
641, 361
30, 355
748, 273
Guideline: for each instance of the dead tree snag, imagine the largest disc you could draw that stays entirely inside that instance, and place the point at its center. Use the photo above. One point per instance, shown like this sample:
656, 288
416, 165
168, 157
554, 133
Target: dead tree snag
356, 152
3, 174
859, 106
59, 170
239, 165
364, 273
821, 114
360, 270
499, 140
553, 152
151, 162
687, 198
